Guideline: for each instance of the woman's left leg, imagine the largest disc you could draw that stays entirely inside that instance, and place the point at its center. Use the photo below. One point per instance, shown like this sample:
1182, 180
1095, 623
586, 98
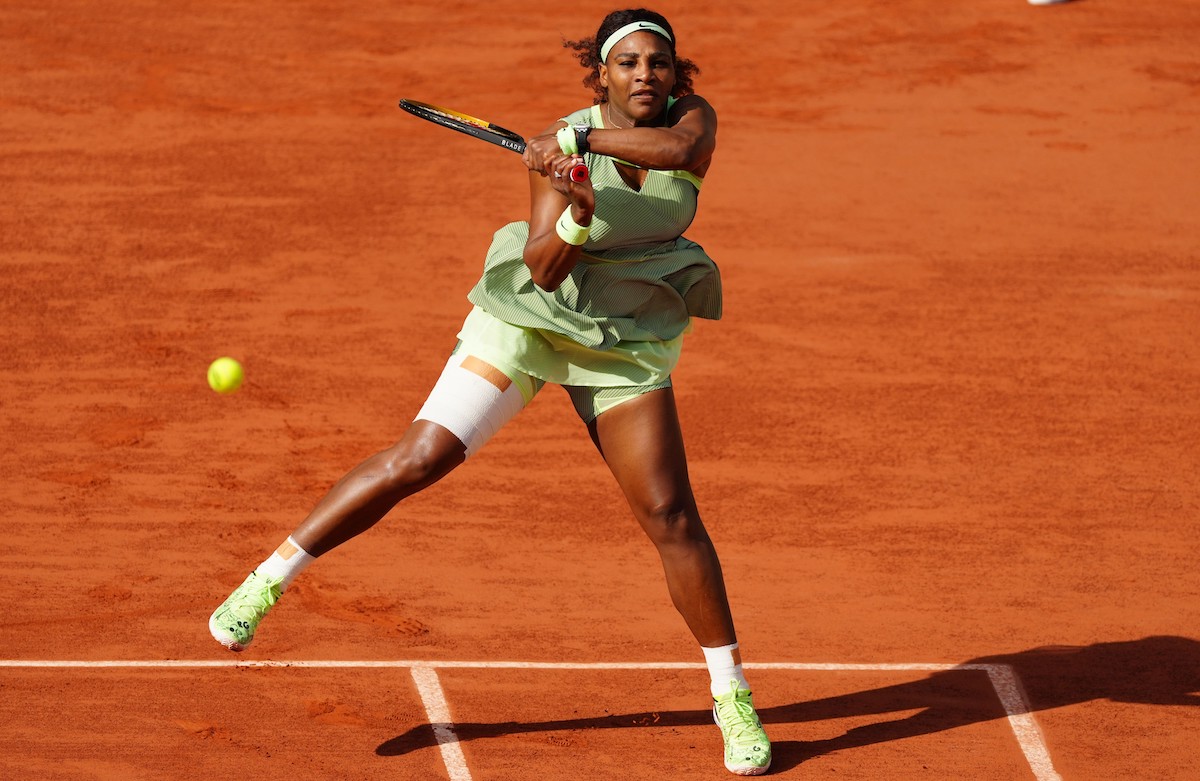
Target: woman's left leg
642, 444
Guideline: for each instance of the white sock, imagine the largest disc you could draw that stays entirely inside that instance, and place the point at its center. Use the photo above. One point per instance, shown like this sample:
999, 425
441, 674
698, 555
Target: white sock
288, 561
724, 666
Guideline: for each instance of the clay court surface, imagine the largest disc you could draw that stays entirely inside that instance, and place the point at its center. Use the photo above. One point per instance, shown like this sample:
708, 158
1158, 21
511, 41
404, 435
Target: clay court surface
946, 436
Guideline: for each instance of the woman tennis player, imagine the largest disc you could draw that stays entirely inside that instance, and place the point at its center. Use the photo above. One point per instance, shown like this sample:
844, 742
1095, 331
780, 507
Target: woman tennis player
593, 293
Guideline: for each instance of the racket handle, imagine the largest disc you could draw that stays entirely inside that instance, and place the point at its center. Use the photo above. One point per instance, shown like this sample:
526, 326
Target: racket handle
579, 173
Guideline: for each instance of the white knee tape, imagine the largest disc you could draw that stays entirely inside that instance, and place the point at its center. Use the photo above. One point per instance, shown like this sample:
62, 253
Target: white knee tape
469, 406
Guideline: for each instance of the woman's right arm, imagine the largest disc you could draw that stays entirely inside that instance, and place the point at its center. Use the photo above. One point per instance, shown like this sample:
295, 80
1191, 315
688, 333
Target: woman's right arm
551, 192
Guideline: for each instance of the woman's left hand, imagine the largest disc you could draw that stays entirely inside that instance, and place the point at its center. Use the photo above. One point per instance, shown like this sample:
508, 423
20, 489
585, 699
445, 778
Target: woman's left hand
541, 152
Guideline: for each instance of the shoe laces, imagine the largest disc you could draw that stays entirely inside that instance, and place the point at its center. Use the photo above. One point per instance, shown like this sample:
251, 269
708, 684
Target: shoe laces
256, 598
737, 715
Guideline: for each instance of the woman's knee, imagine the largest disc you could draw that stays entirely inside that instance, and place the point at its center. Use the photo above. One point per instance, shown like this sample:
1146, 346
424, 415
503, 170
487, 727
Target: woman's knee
420, 459
671, 521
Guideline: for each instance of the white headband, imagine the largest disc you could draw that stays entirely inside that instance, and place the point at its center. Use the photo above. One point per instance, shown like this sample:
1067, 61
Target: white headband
626, 30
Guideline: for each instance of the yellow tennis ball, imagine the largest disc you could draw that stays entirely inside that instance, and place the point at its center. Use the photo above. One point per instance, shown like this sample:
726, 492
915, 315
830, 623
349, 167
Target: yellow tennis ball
225, 375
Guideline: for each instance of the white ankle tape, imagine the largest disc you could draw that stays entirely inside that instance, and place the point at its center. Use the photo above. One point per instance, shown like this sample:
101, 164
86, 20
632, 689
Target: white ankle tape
725, 667
287, 562
472, 407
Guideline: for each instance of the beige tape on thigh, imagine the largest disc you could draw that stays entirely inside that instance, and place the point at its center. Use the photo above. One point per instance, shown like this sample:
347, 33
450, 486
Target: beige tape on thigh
487, 371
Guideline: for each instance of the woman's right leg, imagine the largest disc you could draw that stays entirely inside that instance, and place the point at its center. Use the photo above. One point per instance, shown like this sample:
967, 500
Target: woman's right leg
471, 401
427, 453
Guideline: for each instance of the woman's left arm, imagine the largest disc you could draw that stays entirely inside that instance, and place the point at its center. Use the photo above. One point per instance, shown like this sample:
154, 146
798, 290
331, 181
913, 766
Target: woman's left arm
685, 144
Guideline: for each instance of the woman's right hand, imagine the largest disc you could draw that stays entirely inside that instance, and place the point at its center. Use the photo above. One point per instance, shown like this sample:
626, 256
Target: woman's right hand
581, 193
549, 258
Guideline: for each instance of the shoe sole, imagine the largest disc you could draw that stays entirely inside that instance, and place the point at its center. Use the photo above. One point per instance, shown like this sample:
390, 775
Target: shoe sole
219, 635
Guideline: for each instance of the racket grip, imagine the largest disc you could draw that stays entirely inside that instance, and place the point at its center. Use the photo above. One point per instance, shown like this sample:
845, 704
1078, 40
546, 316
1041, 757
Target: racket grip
579, 173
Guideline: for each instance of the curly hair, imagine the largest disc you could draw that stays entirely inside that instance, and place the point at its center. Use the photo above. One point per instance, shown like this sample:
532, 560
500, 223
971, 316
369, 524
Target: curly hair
587, 50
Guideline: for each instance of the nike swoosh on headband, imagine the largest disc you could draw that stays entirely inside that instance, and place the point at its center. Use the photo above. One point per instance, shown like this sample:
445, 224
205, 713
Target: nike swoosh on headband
631, 28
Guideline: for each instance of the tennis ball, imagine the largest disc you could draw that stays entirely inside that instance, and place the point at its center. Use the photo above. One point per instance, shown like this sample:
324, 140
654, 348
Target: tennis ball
225, 375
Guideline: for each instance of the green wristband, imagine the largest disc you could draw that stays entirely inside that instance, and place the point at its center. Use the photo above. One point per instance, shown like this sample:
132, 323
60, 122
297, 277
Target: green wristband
566, 141
570, 231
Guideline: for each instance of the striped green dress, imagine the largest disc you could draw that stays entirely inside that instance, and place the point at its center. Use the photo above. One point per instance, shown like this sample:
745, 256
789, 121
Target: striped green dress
619, 317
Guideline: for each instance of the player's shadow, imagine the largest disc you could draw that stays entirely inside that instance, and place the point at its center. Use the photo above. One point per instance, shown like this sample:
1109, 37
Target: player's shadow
1151, 671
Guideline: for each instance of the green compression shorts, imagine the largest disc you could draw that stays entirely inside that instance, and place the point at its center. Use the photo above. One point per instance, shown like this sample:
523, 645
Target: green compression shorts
589, 402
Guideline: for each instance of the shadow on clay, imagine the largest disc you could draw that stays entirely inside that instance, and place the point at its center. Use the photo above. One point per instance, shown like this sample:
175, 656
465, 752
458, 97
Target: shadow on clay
1151, 671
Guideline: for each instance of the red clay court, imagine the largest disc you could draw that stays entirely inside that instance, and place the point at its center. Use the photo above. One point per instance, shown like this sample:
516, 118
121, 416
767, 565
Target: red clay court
946, 438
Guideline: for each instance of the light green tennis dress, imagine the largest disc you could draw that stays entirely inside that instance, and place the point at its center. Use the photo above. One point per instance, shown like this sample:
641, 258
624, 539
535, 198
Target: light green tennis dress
618, 319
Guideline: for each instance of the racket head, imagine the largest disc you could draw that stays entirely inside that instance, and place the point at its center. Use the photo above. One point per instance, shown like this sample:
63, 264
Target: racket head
465, 123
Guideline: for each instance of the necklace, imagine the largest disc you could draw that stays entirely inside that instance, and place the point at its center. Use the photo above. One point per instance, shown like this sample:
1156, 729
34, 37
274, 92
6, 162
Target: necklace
608, 112
613, 125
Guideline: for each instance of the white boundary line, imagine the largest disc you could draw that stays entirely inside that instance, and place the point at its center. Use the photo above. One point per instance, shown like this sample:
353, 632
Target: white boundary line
1003, 678
1020, 717
438, 711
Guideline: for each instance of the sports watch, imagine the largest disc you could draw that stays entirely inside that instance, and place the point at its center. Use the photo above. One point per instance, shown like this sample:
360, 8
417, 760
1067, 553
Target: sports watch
581, 138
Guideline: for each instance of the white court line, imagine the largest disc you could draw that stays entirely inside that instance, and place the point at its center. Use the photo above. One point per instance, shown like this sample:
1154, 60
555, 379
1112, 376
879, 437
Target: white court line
1020, 717
438, 711
1003, 678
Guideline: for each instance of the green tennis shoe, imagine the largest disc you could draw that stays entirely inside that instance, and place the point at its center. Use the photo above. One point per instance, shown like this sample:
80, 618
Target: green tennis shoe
234, 622
747, 749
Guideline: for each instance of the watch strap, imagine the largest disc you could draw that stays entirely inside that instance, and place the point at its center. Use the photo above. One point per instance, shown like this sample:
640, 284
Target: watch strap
581, 138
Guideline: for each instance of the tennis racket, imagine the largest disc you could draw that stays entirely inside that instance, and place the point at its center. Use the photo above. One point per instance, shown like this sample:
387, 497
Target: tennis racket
479, 128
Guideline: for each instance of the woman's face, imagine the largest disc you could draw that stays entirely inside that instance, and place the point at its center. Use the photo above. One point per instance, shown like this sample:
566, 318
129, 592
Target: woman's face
639, 76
